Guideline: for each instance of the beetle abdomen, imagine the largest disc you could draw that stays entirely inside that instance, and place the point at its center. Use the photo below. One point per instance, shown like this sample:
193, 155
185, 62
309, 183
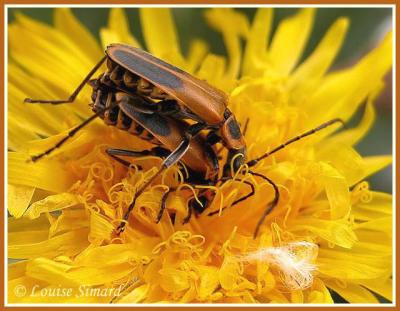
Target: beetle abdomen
131, 83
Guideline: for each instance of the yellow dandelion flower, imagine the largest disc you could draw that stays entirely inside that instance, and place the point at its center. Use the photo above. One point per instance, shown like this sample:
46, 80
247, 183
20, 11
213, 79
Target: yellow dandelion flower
329, 231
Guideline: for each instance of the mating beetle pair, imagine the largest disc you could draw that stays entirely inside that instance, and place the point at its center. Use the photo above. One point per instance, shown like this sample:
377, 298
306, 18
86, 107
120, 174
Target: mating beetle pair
154, 100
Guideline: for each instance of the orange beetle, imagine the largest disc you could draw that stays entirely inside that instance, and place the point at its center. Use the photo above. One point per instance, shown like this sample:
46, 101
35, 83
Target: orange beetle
170, 108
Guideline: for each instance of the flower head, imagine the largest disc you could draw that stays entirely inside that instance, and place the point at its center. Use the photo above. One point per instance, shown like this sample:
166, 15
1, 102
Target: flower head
328, 231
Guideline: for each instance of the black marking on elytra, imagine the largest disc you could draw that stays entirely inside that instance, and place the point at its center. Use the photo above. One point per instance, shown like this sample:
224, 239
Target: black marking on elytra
234, 129
154, 122
158, 61
148, 70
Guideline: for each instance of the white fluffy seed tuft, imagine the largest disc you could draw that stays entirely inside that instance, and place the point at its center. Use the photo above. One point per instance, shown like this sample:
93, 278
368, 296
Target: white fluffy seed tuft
295, 262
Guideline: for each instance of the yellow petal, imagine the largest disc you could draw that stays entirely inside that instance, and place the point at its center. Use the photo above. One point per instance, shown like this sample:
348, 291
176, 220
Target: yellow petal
35, 28
296, 296
173, 280
290, 40
375, 164
83, 141
337, 191
108, 37
51, 47
382, 224
212, 70
352, 136
101, 228
47, 175
255, 56
276, 296
39, 224
105, 255
19, 198
353, 293
135, 296
27, 284
52, 203
46, 269
16, 270
160, 35
319, 293
373, 205
18, 134
347, 265
381, 286
68, 24
197, 52
69, 244
208, 281
335, 97
39, 119
308, 74
118, 24
336, 232
349, 164
233, 25
96, 276
229, 274
69, 220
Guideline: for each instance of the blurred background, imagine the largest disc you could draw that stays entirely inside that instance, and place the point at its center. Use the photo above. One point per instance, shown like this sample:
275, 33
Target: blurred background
367, 28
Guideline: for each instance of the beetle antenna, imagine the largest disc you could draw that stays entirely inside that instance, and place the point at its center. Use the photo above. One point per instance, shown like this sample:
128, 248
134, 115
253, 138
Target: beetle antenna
241, 199
294, 139
271, 205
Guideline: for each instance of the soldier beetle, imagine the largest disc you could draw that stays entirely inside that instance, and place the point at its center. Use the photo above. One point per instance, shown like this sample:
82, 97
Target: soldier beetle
154, 100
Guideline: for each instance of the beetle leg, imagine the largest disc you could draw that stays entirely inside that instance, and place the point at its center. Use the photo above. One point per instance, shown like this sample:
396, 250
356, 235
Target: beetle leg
271, 205
115, 153
213, 138
188, 216
172, 159
163, 204
71, 133
243, 198
72, 97
192, 131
